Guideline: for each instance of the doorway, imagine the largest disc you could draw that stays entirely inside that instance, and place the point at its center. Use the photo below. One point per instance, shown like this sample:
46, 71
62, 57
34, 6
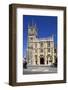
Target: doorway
41, 60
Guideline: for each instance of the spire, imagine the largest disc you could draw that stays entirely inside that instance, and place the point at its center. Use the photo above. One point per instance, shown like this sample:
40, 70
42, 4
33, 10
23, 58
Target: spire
32, 23
28, 25
35, 25
52, 37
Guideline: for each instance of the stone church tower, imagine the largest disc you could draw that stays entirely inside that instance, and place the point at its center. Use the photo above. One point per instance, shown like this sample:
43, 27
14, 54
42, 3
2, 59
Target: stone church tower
32, 36
40, 51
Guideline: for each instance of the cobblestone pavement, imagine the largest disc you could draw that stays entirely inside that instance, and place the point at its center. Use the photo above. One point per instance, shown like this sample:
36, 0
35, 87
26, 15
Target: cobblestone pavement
39, 70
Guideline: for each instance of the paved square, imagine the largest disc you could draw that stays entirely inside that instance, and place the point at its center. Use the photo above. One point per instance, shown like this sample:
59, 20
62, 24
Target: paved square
39, 70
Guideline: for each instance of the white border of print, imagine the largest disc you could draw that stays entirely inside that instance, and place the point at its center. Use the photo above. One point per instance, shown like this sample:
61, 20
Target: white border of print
19, 68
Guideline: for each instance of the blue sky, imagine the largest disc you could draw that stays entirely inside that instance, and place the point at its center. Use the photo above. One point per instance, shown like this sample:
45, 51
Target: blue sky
47, 26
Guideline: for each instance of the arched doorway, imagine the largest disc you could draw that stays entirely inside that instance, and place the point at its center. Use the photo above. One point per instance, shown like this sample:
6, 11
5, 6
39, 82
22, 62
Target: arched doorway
49, 59
41, 60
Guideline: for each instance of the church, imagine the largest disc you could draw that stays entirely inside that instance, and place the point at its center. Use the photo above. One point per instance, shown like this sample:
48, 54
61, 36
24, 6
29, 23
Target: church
40, 51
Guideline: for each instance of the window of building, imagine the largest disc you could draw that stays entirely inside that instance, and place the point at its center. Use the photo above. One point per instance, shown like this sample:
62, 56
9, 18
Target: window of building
41, 50
41, 44
30, 46
48, 49
31, 38
50, 60
51, 50
35, 50
36, 59
35, 45
48, 43
55, 50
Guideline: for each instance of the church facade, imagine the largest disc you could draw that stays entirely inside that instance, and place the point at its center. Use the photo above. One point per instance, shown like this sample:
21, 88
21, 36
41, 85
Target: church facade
40, 51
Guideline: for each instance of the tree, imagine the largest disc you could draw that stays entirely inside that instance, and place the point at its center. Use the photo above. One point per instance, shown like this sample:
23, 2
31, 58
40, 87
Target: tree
25, 64
55, 64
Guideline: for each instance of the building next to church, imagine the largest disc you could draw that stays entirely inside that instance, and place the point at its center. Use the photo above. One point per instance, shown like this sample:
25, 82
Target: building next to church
40, 51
